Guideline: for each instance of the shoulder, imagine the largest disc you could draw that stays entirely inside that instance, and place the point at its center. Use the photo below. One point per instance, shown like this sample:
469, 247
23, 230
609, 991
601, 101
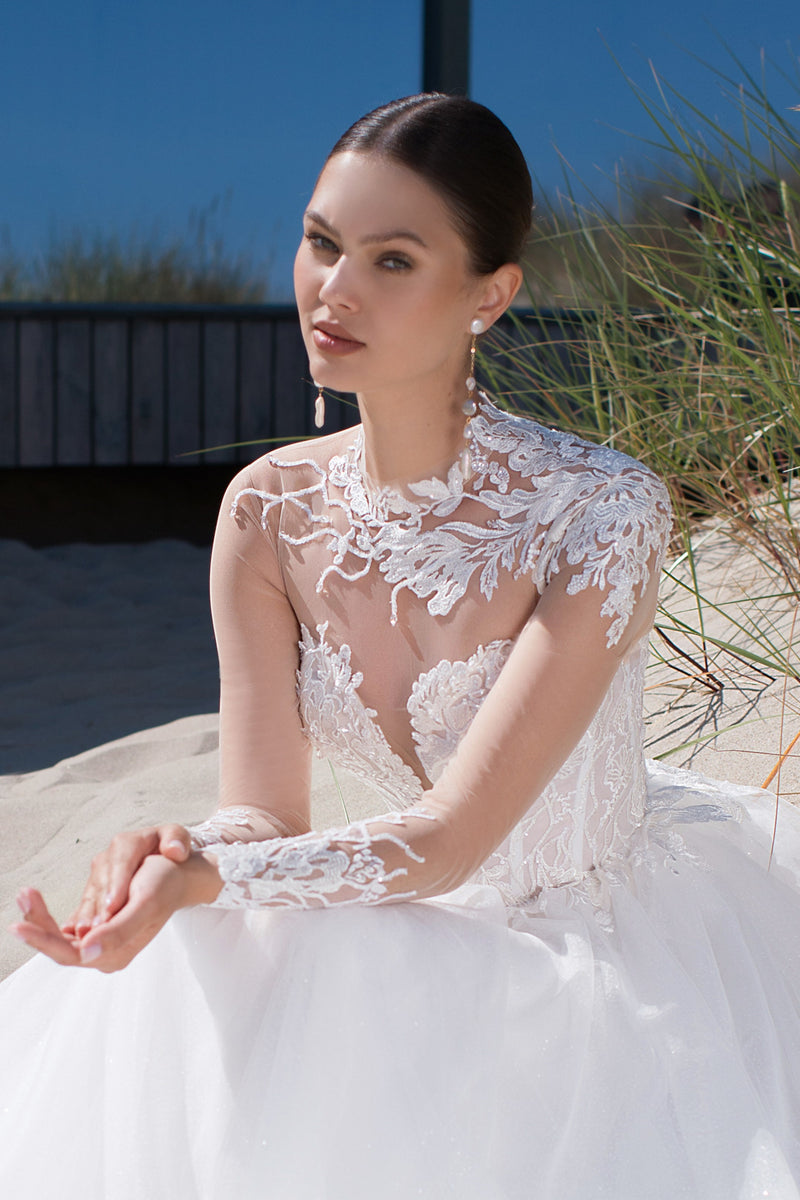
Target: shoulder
578, 466
293, 472
566, 476
298, 463
605, 517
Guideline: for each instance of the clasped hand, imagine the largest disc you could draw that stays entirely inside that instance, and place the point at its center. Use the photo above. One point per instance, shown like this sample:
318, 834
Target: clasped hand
134, 887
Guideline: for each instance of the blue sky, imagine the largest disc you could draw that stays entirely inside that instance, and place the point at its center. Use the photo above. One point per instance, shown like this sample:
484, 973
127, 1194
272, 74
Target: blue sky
120, 115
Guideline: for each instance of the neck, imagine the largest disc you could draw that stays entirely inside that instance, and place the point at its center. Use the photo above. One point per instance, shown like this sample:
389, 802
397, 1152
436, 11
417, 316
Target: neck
412, 435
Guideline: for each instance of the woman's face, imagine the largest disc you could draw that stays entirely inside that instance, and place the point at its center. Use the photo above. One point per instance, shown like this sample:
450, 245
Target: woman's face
382, 279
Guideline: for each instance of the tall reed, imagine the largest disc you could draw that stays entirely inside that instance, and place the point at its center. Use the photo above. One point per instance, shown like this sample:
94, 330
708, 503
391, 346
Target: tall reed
195, 267
682, 347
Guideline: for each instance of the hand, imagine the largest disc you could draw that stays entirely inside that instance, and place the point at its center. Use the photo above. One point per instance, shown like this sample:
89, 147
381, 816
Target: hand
158, 889
113, 869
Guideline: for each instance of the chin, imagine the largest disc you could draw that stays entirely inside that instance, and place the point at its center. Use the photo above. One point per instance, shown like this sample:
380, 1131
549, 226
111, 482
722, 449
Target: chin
338, 380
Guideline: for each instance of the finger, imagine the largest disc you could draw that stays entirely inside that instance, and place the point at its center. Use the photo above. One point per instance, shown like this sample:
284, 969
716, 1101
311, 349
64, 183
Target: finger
154, 896
111, 871
122, 860
175, 842
112, 945
54, 944
39, 930
87, 913
35, 911
92, 902
106, 890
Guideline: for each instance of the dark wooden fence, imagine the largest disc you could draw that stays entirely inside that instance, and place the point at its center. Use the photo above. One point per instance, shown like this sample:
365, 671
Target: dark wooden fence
112, 385
100, 403
135, 385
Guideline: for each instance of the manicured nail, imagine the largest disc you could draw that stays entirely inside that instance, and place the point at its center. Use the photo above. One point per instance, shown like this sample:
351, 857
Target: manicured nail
24, 904
17, 933
176, 845
90, 953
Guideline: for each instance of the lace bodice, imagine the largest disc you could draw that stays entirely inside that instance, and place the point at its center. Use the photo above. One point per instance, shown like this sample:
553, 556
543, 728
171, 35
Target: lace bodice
424, 620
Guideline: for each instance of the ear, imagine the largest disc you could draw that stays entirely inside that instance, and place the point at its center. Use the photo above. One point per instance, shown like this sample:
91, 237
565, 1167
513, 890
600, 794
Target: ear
500, 289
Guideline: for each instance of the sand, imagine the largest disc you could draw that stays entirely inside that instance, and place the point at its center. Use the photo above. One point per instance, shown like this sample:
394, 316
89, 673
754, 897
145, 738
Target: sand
108, 691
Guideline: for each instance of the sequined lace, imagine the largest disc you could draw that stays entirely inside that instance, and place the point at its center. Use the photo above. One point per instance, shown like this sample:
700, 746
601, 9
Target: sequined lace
540, 503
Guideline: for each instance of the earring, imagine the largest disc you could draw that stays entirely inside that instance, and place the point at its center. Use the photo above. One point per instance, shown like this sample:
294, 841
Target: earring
319, 406
470, 407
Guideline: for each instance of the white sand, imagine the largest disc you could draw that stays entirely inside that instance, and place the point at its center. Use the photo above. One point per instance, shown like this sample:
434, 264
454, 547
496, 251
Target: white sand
108, 691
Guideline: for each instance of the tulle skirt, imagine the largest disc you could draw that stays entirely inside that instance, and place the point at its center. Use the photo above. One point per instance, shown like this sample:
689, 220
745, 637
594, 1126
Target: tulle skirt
635, 1036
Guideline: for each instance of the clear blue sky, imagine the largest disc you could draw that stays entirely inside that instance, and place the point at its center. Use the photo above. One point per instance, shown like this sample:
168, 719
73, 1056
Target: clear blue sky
132, 113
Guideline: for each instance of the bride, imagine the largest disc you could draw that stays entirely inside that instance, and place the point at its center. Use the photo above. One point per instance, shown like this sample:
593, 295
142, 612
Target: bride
543, 969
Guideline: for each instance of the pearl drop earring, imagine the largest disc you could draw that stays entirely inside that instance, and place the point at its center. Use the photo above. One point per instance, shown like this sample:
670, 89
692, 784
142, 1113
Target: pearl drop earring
470, 407
319, 406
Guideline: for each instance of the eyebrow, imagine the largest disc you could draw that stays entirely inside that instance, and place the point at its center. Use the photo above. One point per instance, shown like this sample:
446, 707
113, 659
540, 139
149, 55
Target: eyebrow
372, 238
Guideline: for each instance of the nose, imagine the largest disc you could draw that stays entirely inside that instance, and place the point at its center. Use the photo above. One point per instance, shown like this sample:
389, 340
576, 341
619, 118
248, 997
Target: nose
338, 287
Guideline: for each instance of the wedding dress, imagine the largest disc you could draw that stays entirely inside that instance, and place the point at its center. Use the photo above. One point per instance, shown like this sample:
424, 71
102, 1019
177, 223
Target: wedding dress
545, 968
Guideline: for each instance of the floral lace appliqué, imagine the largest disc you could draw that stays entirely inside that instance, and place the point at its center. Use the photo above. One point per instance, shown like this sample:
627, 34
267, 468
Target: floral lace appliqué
572, 502
311, 871
342, 727
444, 701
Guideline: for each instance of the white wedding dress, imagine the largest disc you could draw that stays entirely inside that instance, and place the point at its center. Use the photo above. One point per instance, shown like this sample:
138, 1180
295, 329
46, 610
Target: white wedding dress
544, 971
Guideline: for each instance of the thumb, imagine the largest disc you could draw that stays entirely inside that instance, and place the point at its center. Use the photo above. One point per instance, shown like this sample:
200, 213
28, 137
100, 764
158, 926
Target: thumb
174, 842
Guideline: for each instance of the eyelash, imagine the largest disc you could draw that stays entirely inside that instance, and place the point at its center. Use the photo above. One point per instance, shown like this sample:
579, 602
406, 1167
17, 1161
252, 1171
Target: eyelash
324, 245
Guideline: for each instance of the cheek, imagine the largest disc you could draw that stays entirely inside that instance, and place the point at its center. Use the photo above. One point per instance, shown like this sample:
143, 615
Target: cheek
304, 281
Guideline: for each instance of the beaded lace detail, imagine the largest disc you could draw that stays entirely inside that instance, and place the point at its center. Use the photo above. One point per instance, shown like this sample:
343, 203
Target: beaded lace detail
588, 812
444, 701
222, 827
340, 725
586, 815
539, 502
343, 867
591, 504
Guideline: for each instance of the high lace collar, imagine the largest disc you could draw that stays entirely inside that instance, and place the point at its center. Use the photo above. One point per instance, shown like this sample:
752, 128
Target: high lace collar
383, 502
539, 500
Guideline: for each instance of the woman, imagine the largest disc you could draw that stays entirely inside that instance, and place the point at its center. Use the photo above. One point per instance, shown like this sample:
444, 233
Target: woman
595, 989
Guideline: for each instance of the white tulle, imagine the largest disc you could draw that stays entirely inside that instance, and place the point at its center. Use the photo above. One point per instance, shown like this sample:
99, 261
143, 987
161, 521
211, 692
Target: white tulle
444, 1048
607, 1007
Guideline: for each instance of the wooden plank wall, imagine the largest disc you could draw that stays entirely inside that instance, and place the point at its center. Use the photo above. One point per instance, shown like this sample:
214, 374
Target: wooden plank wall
140, 385
112, 385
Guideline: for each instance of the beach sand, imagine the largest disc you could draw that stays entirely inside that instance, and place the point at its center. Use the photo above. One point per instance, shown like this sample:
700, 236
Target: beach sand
108, 692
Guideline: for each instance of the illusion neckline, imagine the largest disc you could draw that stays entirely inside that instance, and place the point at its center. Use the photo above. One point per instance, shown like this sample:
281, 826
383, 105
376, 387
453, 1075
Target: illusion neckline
383, 499
425, 684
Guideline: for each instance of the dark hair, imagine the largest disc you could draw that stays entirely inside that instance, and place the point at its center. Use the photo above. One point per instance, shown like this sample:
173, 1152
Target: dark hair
468, 156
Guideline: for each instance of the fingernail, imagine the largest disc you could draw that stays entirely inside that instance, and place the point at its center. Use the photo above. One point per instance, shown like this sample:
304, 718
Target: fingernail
24, 904
90, 953
17, 933
176, 845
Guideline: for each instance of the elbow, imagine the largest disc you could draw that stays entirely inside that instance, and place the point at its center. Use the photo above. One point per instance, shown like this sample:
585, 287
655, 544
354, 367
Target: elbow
443, 869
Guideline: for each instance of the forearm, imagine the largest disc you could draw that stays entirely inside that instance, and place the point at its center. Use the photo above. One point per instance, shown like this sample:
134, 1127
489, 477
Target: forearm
240, 823
202, 882
370, 862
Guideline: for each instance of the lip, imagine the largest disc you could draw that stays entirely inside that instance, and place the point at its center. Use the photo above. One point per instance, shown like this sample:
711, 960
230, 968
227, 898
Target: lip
334, 339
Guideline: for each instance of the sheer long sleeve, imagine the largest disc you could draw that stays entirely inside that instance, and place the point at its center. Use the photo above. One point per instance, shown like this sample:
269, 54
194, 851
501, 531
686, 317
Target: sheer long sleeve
265, 758
538, 709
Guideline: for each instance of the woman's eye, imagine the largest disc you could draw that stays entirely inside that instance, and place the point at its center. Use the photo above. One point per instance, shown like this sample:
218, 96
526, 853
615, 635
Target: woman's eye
396, 262
320, 242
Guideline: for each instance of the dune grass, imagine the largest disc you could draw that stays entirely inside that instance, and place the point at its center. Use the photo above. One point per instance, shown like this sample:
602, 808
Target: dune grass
193, 267
682, 348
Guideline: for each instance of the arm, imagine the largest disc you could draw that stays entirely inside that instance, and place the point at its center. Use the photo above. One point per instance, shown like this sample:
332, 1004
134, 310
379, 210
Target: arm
552, 684
265, 763
265, 757
597, 601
